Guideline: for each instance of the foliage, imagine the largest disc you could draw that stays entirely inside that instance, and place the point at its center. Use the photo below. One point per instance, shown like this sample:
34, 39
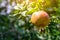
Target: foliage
15, 21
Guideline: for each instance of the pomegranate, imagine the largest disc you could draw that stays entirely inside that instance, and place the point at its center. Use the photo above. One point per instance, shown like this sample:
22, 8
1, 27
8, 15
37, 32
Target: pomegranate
40, 19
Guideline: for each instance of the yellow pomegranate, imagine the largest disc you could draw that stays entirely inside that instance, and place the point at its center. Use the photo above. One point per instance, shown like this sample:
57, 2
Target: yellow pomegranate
40, 19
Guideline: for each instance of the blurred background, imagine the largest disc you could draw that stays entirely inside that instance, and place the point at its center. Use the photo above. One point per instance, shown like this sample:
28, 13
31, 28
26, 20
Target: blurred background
15, 18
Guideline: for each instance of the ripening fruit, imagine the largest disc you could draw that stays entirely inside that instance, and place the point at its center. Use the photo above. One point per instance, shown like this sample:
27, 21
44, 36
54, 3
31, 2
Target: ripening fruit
40, 19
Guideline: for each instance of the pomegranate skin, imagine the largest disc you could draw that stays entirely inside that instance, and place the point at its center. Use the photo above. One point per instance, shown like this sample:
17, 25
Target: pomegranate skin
40, 19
